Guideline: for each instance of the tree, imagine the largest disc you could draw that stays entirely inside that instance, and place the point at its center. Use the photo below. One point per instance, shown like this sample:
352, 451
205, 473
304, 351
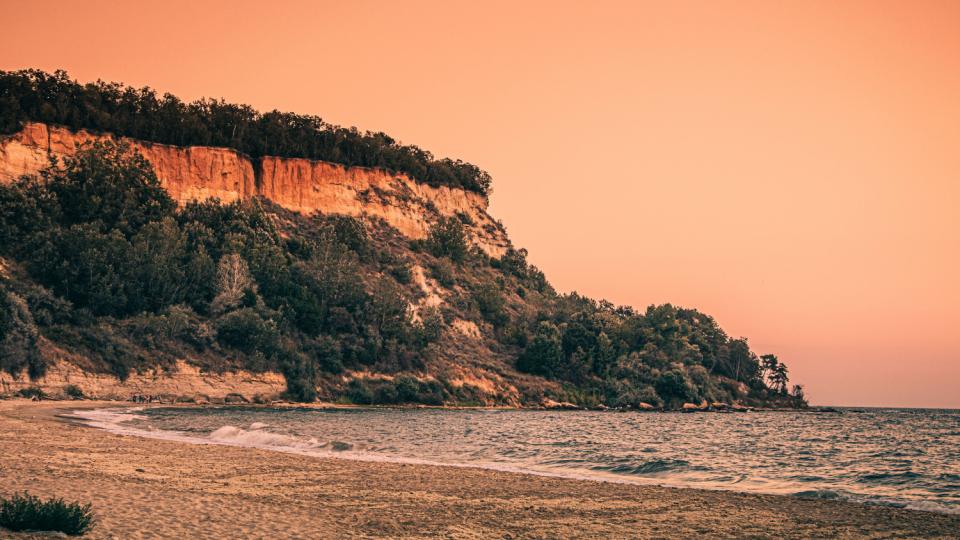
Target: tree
18, 337
741, 362
779, 378
673, 386
246, 331
448, 238
606, 355
490, 303
389, 310
775, 372
798, 394
160, 259
90, 268
768, 364
110, 184
233, 281
543, 356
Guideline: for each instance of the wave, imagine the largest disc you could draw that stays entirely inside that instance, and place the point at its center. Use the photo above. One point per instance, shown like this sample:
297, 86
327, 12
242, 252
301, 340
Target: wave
652, 467
825, 494
259, 437
838, 495
897, 478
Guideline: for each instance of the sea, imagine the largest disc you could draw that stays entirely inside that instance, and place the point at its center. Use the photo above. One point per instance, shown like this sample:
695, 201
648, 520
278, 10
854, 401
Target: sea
907, 458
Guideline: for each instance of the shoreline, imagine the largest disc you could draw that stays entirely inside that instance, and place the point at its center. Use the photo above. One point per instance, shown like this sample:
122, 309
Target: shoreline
110, 425
177, 489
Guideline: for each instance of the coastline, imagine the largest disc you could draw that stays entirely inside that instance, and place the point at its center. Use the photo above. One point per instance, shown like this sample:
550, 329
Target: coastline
148, 487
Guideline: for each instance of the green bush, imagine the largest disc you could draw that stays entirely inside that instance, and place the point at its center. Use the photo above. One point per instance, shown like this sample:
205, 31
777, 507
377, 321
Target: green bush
385, 394
28, 513
543, 356
448, 239
674, 386
246, 331
465, 218
300, 374
359, 393
402, 273
443, 272
73, 391
32, 392
18, 337
490, 303
431, 325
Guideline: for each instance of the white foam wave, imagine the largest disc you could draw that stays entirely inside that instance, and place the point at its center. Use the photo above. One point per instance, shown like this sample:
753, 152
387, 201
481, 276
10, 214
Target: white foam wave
260, 438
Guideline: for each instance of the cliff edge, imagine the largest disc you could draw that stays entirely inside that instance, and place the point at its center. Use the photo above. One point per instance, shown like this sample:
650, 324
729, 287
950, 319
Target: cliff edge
198, 173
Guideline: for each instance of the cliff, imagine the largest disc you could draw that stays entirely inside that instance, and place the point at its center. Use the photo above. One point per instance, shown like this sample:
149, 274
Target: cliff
184, 382
301, 185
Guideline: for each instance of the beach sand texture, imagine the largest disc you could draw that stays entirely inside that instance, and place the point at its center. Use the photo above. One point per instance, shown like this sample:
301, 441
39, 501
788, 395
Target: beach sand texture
142, 488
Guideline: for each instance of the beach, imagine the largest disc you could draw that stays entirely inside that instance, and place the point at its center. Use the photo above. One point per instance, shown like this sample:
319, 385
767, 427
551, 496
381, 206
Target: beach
146, 488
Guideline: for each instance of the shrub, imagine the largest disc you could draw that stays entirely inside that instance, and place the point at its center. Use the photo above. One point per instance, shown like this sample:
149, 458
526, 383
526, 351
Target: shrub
105, 343
328, 355
490, 303
300, 374
442, 271
543, 356
674, 386
359, 393
465, 218
514, 261
32, 392
28, 513
448, 239
385, 394
246, 331
431, 325
73, 391
351, 232
18, 337
402, 273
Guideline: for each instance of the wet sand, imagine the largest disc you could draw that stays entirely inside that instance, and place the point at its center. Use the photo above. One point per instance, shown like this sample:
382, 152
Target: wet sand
142, 488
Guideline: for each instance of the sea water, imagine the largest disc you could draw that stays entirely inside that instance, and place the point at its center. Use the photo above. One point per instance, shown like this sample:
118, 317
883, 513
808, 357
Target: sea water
898, 457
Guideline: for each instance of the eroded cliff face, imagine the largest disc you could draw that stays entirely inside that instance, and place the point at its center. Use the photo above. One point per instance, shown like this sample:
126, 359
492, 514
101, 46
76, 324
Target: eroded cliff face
302, 185
184, 382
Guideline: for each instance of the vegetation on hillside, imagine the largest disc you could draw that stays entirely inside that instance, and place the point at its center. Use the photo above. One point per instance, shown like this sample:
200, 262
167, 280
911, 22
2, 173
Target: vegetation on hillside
103, 263
34, 95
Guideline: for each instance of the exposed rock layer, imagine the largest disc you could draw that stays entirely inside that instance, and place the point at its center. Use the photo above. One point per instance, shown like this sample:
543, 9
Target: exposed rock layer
199, 173
184, 381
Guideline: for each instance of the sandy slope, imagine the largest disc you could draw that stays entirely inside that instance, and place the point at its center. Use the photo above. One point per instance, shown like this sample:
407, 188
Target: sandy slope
156, 489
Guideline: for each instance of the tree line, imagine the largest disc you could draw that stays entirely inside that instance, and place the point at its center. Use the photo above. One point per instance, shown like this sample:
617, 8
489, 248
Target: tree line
140, 113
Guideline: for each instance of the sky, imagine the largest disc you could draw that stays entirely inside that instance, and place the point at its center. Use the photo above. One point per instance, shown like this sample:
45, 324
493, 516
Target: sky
791, 168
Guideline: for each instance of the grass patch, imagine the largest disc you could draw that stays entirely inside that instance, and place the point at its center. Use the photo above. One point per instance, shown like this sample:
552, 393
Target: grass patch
28, 513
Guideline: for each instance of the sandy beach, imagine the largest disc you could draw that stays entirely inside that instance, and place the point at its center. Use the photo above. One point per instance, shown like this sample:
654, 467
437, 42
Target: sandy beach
144, 488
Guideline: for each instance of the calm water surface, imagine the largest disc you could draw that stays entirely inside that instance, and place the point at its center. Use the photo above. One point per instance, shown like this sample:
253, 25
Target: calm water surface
899, 457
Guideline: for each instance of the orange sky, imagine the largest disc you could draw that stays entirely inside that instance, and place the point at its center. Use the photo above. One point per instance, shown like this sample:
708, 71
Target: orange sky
792, 168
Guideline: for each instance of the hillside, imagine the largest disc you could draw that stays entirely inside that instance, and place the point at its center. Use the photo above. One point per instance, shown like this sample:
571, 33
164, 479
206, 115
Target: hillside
133, 266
